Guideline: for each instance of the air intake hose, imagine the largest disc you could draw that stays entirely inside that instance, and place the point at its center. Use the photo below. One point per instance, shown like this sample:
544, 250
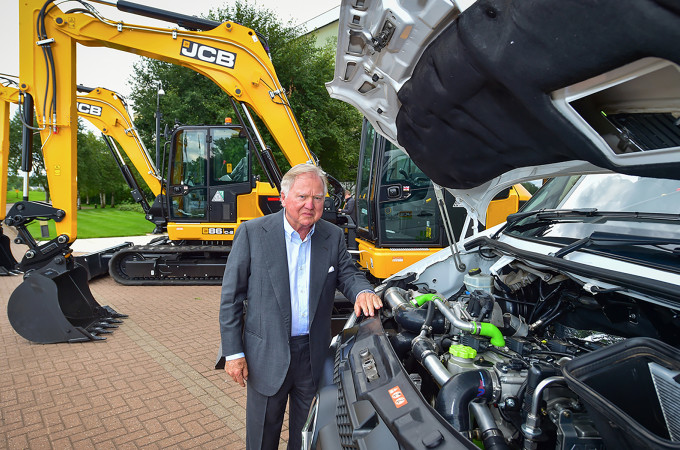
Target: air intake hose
456, 394
409, 317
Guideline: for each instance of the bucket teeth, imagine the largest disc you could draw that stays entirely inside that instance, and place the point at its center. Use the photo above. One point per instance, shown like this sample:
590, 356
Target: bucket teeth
113, 313
99, 330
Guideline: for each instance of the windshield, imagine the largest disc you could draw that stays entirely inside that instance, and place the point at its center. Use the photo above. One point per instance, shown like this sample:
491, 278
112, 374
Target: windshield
605, 193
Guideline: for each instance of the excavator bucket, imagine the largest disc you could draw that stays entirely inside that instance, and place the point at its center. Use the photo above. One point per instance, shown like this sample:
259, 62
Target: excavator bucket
54, 304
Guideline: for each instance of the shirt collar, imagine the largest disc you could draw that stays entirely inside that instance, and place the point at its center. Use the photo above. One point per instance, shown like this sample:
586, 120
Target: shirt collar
290, 232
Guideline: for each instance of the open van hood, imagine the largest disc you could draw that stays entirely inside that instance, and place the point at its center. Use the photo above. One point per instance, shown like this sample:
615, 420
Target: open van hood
486, 94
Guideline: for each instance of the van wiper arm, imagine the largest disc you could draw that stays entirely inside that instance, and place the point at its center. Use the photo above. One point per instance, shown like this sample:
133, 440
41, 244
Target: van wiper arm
602, 239
543, 215
551, 214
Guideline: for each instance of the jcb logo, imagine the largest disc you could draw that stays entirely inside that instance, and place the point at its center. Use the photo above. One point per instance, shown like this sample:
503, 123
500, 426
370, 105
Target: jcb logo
205, 53
89, 109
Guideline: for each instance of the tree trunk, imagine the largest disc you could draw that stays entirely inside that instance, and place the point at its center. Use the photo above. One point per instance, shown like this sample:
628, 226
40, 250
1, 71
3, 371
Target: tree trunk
102, 199
113, 203
78, 202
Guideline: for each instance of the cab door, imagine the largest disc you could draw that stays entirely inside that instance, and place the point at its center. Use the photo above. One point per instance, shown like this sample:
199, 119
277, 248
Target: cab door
229, 168
209, 168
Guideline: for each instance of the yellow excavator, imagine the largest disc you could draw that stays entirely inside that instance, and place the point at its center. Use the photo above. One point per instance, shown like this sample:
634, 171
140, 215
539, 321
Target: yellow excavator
229, 161
206, 187
399, 217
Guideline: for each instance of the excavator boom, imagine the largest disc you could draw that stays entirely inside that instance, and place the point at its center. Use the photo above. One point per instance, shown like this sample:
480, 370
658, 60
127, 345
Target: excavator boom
229, 54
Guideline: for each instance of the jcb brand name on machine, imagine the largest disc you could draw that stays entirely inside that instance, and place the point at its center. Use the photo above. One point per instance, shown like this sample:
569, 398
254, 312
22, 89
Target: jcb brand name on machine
219, 231
89, 109
209, 54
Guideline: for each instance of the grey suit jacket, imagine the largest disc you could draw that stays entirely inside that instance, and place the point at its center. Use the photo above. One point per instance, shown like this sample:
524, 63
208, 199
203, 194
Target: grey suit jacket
257, 270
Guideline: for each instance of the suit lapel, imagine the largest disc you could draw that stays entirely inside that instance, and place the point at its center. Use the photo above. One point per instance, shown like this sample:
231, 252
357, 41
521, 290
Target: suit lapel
274, 250
319, 268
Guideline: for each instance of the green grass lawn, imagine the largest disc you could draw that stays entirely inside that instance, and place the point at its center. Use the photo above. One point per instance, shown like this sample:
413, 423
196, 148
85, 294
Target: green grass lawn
107, 222
14, 196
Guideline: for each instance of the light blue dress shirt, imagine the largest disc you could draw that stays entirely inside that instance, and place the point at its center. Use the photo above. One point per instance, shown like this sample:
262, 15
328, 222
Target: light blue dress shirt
299, 255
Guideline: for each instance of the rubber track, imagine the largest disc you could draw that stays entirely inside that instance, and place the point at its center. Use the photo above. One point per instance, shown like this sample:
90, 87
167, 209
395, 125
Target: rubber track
121, 278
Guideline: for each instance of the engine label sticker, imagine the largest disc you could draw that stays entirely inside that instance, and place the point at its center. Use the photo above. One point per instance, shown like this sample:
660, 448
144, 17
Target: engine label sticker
208, 54
219, 231
397, 397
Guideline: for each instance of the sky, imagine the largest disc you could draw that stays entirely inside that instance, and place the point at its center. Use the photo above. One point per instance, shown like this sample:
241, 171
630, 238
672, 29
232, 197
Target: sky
112, 69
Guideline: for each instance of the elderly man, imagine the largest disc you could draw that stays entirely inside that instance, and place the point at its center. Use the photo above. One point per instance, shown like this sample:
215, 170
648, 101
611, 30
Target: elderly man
287, 266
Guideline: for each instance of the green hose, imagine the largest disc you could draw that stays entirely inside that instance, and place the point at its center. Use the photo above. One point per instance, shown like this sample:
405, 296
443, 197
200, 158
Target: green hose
492, 331
422, 299
482, 328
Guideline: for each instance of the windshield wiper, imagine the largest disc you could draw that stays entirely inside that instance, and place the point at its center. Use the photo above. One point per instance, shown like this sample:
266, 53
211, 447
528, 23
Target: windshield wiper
542, 216
602, 239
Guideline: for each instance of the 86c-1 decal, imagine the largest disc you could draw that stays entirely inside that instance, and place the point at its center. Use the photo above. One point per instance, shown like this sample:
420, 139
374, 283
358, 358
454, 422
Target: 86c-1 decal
219, 231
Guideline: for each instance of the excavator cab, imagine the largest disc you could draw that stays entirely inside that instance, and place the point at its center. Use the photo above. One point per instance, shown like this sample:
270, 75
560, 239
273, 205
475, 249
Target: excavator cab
209, 170
399, 221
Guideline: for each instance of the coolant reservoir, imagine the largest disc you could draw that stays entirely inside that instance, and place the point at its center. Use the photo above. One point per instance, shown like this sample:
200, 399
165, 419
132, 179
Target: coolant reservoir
475, 280
461, 359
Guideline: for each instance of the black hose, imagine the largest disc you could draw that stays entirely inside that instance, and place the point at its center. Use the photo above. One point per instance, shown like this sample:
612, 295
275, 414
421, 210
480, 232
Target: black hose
414, 320
456, 394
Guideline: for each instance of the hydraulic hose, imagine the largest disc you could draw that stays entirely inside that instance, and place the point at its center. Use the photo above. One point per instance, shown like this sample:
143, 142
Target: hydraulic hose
456, 394
481, 328
532, 427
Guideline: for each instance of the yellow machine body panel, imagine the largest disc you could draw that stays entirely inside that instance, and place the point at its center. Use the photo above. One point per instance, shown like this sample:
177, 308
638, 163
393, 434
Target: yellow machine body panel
500, 208
385, 262
248, 208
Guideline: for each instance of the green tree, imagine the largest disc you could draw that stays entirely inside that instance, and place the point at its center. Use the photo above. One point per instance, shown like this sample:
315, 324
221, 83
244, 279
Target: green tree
330, 127
98, 173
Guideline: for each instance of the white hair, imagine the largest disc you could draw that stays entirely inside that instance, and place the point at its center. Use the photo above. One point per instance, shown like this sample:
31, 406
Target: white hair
289, 178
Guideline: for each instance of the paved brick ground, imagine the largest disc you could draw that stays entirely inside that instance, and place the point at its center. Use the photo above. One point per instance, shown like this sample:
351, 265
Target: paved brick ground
151, 384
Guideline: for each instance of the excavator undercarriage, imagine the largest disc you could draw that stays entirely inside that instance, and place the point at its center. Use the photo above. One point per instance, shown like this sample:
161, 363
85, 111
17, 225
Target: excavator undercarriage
162, 262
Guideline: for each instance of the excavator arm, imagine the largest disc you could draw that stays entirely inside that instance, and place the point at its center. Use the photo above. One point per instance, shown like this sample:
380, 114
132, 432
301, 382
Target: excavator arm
108, 111
8, 94
230, 54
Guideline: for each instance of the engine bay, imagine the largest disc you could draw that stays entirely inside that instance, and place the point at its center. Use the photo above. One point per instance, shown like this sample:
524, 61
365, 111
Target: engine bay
525, 358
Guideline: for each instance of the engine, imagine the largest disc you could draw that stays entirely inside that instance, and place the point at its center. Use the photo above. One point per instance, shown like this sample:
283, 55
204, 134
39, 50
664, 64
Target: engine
531, 359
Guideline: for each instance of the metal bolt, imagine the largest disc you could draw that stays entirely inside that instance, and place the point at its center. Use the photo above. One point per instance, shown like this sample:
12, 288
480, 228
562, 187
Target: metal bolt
510, 402
30, 254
